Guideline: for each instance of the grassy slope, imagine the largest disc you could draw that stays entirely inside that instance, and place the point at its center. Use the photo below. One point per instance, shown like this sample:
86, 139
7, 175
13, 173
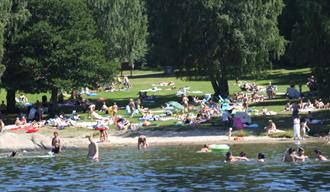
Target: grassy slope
144, 80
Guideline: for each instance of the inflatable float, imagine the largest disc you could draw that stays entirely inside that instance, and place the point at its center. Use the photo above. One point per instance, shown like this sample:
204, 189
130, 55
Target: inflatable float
33, 130
219, 148
101, 128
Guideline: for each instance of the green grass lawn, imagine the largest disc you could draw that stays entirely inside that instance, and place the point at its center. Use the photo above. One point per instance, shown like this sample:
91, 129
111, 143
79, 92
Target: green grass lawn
145, 79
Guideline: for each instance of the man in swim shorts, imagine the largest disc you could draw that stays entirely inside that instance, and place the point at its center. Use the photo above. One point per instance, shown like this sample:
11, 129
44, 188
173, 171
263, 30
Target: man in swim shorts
56, 143
93, 150
142, 142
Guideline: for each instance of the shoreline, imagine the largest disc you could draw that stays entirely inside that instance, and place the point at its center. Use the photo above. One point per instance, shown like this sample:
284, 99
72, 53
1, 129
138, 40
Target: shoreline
39, 142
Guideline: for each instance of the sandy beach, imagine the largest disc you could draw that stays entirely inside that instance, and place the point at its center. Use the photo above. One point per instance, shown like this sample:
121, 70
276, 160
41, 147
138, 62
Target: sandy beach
13, 141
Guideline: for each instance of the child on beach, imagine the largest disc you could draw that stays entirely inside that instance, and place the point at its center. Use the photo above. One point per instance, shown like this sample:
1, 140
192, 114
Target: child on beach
229, 133
304, 127
142, 142
56, 143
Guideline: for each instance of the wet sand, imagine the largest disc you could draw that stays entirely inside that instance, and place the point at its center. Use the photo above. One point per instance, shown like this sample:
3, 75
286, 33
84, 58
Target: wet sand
12, 141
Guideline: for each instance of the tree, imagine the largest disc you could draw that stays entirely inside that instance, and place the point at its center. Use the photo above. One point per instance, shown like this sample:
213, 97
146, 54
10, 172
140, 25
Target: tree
311, 39
15, 15
122, 25
221, 38
58, 48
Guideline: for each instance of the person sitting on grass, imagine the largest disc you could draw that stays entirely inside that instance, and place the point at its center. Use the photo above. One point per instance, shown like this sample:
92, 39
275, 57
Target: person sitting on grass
261, 157
271, 128
142, 142
292, 92
319, 155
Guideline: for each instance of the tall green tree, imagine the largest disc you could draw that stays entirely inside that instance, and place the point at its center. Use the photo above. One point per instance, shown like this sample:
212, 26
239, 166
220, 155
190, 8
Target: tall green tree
311, 39
57, 48
222, 39
16, 14
122, 25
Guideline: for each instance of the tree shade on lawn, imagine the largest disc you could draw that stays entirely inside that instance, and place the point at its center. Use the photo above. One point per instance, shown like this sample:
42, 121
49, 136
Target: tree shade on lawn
220, 38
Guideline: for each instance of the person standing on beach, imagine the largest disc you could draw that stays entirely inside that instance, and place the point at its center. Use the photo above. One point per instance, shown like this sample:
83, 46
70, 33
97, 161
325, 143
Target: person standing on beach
93, 150
296, 128
2, 126
142, 142
56, 143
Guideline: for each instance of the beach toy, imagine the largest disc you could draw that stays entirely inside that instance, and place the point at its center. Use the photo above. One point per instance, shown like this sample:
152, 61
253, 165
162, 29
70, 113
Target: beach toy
101, 128
33, 130
219, 148
91, 94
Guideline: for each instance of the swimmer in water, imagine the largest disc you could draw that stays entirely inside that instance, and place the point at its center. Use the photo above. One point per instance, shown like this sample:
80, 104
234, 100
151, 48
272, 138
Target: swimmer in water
142, 142
261, 157
205, 149
319, 155
231, 158
243, 156
93, 150
12, 154
56, 143
291, 156
301, 154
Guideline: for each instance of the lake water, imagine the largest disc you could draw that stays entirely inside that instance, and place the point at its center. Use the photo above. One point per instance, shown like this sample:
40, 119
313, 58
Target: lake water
167, 168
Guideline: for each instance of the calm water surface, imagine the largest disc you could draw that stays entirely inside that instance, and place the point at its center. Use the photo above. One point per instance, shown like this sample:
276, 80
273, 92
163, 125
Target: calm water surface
170, 168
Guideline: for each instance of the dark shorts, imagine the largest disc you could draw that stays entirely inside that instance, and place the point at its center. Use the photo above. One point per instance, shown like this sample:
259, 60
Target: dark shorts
56, 150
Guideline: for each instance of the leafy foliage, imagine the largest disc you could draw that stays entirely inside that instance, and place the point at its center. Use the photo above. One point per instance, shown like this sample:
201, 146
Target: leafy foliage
224, 38
122, 25
311, 39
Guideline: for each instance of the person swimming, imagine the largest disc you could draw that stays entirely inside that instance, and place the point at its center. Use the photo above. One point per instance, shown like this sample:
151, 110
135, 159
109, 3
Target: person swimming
261, 157
12, 154
301, 154
205, 149
319, 155
231, 158
291, 156
142, 142
243, 156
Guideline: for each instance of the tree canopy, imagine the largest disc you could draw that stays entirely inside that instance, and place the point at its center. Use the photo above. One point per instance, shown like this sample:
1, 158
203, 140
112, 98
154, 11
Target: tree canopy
122, 25
311, 39
219, 38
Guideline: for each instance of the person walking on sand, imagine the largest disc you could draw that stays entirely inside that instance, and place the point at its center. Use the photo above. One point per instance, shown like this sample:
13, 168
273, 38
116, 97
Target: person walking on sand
93, 150
56, 143
296, 128
142, 142
304, 128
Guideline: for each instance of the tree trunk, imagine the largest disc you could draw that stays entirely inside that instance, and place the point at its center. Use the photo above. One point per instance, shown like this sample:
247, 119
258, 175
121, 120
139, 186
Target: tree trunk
11, 102
220, 86
53, 105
